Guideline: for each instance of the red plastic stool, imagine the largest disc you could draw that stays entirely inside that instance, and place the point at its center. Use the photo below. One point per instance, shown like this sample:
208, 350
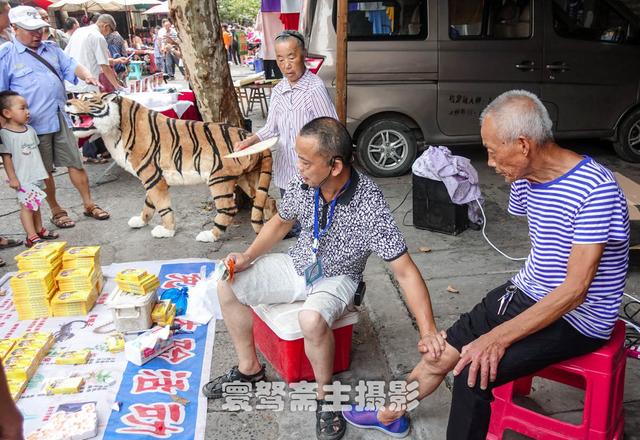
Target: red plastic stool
600, 374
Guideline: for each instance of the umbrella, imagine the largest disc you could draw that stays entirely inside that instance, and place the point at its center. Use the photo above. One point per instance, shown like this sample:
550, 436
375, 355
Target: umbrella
100, 5
158, 9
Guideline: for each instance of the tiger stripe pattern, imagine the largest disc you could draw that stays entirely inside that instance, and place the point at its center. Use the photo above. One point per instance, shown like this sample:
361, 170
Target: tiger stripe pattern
163, 152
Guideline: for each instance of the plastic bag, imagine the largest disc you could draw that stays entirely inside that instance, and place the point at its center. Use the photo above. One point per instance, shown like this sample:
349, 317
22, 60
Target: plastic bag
203, 298
180, 297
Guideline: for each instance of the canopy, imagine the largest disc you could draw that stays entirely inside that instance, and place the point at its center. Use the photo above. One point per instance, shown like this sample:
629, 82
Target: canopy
158, 9
101, 5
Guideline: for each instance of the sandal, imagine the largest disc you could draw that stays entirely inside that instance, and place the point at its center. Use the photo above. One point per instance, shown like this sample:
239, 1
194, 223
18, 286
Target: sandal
46, 234
6, 243
61, 219
2, 262
215, 388
29, 242
330, 425
94, 211
93, 160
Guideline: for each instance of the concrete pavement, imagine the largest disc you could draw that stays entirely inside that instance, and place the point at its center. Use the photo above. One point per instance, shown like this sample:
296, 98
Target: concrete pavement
384, 341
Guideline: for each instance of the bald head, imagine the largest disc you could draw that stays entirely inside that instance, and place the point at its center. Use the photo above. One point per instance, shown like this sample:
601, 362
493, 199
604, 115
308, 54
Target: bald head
519, 113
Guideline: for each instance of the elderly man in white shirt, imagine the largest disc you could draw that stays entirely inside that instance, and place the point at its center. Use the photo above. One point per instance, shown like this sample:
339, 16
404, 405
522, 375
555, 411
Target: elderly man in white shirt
88, 46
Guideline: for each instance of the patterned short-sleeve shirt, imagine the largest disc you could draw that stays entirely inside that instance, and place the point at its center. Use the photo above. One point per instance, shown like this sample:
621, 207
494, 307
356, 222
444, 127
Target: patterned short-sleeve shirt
362, 224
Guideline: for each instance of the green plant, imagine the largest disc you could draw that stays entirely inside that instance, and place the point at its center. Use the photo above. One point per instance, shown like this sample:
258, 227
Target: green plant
238, 11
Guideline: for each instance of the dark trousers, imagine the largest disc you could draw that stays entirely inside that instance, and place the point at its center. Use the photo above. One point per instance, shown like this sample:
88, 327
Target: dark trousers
92, 149
471, 407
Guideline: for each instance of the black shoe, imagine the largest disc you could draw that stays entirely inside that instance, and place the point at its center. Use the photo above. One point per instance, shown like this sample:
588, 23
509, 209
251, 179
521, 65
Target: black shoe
330, 425
213, 389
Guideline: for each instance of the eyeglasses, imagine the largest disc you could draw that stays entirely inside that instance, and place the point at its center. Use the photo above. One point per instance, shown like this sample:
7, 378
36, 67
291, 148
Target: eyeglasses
294, 34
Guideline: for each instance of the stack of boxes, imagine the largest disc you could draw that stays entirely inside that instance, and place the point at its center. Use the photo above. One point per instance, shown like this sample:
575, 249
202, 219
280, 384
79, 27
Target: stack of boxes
137, 281
163, 313
55, 282
79, 282
21, 358
34, 285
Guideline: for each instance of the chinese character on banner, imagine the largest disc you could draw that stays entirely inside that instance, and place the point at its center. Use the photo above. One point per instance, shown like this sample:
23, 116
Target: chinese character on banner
236, 396
403, 396
303, 396
159, 420
185, 324
160, 381
178, 280
270, 395
371, 394
337, 397
181, 350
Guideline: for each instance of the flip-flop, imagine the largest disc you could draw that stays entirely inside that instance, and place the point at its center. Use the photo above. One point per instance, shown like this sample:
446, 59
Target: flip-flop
10, 243
2, 262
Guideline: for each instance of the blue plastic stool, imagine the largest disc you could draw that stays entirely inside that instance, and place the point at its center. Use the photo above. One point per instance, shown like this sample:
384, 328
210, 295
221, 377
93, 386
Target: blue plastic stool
135, 70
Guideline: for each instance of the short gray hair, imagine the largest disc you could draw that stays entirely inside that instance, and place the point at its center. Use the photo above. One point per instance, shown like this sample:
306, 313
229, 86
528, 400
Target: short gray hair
519, 113
287, 35
107, 19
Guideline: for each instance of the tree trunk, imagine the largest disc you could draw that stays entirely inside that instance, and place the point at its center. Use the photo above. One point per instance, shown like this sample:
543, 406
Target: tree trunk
205, 58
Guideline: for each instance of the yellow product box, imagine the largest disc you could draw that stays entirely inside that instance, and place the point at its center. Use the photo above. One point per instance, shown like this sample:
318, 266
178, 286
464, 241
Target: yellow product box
115, 342
81, 253
76, 279
27, 352
76, 357
65, 385
42, 341
31, 315
19, 368
150, 284
132, 275
79, 302
27, 282
50, 246
16, 388
6, 345
160, 310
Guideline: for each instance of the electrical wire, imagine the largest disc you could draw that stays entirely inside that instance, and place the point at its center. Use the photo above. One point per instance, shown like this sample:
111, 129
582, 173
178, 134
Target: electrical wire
484, 234
403, 200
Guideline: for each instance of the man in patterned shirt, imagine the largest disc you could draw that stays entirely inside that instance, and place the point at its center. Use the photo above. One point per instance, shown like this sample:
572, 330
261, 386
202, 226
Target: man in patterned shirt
344, 219
564, 301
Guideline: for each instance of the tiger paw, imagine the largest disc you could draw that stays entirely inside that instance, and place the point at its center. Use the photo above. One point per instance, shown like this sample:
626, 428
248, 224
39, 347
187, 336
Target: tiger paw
206, 236
136, 222
162, 232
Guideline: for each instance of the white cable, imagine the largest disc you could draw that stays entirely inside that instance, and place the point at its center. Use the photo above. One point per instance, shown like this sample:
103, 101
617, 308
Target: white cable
630, 324
484, 225
632, 297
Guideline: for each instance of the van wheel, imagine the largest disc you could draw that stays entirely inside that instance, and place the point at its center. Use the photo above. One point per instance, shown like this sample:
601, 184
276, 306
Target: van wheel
387, 148
628, 143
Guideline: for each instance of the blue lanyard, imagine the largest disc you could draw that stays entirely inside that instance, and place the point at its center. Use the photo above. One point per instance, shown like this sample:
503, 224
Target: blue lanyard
317, 234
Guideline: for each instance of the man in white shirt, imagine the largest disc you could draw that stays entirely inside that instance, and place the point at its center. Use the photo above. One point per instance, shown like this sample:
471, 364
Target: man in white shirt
88, 46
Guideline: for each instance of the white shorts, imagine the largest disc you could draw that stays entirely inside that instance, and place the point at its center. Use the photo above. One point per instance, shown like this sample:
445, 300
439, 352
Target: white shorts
272, 279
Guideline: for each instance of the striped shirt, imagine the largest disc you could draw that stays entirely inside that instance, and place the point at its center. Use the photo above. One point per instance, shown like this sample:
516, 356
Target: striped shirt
291, 108
584, 206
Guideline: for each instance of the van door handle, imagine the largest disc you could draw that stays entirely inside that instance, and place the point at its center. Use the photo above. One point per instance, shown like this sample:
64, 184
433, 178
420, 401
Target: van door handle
558, 66
526, 66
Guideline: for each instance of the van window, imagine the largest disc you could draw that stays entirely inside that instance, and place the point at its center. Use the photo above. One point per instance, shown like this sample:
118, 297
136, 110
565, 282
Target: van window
489, 20
385, 20
595, 20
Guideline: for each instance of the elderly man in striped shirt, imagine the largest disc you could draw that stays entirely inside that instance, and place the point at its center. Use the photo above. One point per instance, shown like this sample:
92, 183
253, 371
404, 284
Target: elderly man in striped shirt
299, 98
564, 301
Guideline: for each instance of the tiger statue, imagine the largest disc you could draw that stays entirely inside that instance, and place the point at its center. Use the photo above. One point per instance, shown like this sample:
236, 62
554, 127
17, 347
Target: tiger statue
163, 151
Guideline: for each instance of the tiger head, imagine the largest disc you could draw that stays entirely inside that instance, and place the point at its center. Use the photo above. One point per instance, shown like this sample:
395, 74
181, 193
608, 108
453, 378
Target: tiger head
94, 113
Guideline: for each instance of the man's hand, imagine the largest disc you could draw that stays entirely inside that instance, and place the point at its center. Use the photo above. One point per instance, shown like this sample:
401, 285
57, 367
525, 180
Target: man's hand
243, 261
433, 343
93, 81
122, 60
238, 146
10, 422
483, 354
14, 183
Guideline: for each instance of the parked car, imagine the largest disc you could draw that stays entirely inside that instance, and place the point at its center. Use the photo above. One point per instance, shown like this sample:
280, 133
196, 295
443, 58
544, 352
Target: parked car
421, 71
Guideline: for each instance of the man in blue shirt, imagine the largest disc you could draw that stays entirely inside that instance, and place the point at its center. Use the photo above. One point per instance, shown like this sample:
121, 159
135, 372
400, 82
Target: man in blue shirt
36, 70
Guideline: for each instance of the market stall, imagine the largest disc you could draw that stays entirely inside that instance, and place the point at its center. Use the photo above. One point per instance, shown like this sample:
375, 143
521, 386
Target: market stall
85, 356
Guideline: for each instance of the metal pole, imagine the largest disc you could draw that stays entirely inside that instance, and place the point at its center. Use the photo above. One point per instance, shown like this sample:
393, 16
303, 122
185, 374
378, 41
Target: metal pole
341, 61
